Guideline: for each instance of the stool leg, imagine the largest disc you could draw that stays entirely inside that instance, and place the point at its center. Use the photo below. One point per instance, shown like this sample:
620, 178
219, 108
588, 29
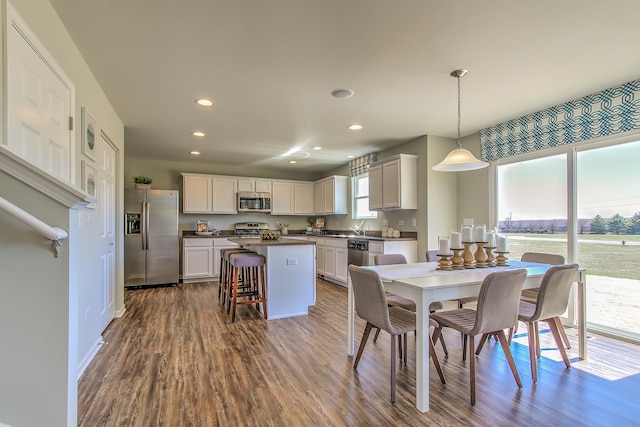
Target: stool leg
235, 294
264, 291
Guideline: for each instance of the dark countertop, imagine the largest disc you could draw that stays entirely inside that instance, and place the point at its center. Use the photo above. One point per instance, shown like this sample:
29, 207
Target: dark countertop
404, 236
282, 241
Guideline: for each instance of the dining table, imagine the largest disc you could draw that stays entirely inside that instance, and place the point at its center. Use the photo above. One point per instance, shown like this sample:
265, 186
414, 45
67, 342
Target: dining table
424, 283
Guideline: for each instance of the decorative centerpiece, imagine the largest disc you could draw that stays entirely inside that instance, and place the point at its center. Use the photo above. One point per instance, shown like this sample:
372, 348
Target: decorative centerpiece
142, 182
269, 235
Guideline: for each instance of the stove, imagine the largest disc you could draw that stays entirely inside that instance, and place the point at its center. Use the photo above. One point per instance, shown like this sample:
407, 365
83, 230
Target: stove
250, 229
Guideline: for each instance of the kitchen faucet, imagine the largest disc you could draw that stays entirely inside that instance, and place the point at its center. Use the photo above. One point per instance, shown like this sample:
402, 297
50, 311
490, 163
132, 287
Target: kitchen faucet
358, 230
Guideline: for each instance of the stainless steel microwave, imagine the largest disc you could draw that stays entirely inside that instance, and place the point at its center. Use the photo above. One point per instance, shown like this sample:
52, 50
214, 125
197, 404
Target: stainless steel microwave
254, 202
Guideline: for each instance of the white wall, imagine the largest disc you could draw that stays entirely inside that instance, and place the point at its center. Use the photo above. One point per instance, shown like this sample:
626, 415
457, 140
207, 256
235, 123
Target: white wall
43, 337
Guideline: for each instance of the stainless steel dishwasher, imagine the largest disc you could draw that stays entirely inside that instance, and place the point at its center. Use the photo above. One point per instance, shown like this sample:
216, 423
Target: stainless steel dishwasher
358, 251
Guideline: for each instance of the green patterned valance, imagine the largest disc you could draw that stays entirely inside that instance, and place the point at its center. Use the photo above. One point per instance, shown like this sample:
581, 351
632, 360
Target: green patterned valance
609, 112
360, 165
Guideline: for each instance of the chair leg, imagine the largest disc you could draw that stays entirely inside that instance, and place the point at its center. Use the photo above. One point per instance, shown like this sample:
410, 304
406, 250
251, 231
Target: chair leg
436, 362
472, 369
536, 331
558, 339
507, 352
464, 348
444, 346
483, 340
563, 333
393, 368
263, 288
404, 343
532, 351
400, 347
375, 337
363, 343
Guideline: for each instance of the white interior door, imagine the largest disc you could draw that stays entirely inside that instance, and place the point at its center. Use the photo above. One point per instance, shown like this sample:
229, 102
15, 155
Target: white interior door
106, 207
40, 101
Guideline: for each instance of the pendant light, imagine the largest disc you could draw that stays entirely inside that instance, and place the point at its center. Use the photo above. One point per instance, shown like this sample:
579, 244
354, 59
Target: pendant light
460, 159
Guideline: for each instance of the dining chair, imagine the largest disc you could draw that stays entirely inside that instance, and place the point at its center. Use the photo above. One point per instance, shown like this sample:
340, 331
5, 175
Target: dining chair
396, 300
497, 310
372, 306
551, 302
531, 294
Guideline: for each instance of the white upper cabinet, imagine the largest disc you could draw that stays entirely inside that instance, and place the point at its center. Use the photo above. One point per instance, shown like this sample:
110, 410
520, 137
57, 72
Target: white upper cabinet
292, 198
224, 195
197, 193
254, 185
303, 198
393, 183
212, 194
331, 195
282, 198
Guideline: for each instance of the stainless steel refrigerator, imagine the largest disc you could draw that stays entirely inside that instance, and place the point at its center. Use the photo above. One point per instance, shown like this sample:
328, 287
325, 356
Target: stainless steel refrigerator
151, 245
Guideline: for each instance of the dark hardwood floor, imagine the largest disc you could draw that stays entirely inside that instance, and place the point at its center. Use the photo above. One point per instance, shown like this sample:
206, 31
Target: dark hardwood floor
174, 359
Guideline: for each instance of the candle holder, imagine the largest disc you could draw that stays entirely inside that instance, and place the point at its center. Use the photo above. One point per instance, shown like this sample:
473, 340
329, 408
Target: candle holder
467, 256
502, 259
444, 263
480, 255
491, 259
457, 260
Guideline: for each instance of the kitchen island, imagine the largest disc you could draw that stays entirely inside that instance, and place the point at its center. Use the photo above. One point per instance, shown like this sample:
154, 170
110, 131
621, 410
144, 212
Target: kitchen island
290, 272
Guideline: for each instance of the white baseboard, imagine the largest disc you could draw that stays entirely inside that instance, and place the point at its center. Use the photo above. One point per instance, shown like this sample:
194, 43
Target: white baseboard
120, 311
84, 363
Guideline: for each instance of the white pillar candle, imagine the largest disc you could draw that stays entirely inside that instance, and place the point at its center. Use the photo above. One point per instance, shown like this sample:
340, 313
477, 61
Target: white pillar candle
502, 244
467, 234
445, 248
491, 239
481, 233
456, 240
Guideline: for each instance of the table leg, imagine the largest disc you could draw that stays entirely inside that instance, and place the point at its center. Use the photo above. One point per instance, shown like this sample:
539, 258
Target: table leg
422, 352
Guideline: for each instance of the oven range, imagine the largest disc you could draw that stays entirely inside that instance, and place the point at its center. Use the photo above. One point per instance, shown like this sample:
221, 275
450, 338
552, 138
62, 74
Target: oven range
250, 229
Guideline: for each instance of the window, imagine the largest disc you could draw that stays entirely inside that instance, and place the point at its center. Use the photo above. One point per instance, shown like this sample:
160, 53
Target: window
533, 199
360, 191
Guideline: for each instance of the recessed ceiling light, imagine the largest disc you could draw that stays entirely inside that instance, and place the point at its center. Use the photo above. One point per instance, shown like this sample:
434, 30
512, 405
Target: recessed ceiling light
317, 148
293, 162
341, 93
355, 127
195, 153
197, 133
350, 156
204, 102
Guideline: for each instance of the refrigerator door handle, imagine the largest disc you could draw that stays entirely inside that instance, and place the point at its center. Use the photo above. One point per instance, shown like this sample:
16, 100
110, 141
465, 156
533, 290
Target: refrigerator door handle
147, 211
143, 226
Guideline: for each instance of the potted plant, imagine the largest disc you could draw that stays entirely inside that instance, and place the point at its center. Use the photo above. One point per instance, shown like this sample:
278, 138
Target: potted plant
142, 182
284, 230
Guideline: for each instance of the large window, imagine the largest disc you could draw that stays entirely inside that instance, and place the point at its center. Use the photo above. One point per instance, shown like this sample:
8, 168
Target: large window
360, 191
534, 197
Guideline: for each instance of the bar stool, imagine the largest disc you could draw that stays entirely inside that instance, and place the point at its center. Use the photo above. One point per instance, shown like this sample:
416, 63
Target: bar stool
255, 283
223, 277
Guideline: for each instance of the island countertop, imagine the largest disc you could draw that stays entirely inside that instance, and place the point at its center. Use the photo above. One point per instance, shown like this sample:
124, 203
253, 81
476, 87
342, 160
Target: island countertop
282, 241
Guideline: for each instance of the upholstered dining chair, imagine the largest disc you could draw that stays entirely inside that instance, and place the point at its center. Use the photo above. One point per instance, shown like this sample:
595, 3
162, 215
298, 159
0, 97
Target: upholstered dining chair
497, 310
371, 305
396, 300
531, 295
551, 302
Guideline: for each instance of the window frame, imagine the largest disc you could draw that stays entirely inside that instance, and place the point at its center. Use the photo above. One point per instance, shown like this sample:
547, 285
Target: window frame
355, 198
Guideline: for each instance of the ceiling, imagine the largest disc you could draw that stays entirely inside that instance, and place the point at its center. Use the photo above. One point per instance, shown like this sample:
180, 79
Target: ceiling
270, 66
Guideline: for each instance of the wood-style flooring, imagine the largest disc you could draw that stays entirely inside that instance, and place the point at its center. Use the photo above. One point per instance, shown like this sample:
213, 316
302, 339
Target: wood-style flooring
174, 359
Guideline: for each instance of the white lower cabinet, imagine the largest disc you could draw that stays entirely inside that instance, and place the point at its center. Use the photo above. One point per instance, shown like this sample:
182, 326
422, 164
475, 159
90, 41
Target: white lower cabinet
331, 259
408, 248
201, 258
197, 259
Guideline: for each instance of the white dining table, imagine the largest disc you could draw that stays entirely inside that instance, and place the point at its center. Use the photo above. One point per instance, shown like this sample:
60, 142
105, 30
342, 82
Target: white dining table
424, 283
